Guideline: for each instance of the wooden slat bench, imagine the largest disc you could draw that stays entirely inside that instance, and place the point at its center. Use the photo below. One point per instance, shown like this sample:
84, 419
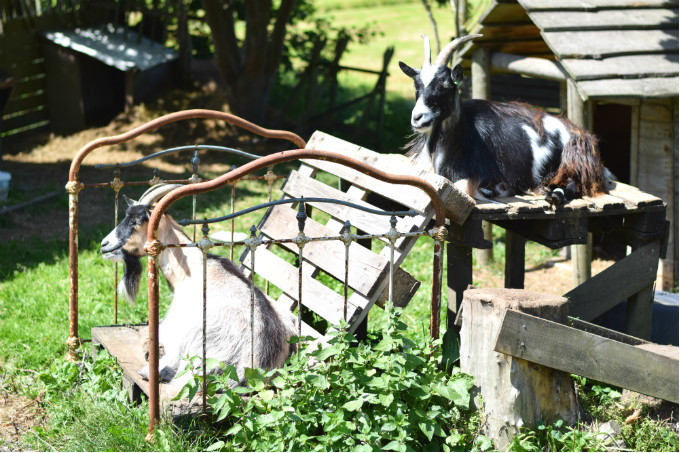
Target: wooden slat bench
625, 214
368, 271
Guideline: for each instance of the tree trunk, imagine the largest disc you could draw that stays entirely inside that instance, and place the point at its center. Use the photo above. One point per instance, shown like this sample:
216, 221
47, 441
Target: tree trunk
426, 5
248, 68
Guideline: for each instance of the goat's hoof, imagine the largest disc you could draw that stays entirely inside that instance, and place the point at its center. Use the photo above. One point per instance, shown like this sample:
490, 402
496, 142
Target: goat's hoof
144, 373
556, 197
167, 374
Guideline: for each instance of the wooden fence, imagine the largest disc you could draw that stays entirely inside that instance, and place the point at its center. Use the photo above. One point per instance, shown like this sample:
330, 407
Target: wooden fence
21, 54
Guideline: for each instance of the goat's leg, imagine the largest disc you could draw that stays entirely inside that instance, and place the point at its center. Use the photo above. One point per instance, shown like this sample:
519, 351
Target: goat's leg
557, 196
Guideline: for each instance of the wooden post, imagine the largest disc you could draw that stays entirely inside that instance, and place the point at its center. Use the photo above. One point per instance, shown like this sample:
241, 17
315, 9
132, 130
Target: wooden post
481, 89
514, 260
510, 391
581, 254
458, 277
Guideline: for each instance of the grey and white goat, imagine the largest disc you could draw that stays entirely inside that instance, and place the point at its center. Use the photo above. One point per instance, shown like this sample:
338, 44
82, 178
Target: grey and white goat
489, 148
228, 297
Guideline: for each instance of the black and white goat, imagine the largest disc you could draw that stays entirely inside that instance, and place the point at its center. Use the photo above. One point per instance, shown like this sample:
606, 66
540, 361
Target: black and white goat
228, 297
497, 149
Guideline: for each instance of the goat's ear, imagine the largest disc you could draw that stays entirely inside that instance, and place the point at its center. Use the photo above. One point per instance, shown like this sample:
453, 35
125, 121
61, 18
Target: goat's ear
457, 74
409, 71
128, 200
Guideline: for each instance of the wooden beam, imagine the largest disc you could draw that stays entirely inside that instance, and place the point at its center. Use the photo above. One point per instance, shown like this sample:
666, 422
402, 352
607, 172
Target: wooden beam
481, 89
616, 283
567, 349
514, 260
535, 67
458, 277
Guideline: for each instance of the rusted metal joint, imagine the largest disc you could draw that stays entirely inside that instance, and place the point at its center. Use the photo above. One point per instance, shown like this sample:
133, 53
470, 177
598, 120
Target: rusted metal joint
347, 237
253, 241
153, 248
74, 187
270, 176
195, 179
117, 184
73, 343
439, 234
392, 235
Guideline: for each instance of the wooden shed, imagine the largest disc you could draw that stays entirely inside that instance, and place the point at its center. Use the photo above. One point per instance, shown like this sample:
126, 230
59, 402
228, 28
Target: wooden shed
613, 64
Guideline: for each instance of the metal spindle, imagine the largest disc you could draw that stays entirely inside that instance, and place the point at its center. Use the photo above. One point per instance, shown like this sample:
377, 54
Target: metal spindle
116, 184
253, 246
233, 202
194, 179
301, 240
347, 239
205, 244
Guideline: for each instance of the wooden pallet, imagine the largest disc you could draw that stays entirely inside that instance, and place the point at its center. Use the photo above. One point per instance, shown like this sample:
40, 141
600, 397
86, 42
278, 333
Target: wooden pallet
368, 270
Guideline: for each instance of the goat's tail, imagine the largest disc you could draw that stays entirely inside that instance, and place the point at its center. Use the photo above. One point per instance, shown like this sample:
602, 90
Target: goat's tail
581, 172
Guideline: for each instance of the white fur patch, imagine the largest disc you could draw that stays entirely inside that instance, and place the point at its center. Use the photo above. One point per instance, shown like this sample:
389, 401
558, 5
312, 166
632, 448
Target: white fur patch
541, 154
427, 73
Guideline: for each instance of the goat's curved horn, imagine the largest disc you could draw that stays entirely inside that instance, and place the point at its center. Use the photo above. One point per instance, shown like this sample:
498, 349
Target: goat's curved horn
428, 54
156, 192
445, 55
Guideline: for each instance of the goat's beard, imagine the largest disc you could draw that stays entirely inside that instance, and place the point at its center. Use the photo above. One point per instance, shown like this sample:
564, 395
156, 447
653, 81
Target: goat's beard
129, 285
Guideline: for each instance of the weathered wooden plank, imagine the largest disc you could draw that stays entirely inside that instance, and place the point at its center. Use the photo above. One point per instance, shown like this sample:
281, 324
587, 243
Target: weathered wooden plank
535, 67
567, 349
124, 344
507, 31
605, 202
630, 66
405, 287
366, 267
458, 205
315, 295
585, 5
299, 186
616, 283
501, 12
488, 207
618, 19
604, 332
634, 197
651, 87
603, 44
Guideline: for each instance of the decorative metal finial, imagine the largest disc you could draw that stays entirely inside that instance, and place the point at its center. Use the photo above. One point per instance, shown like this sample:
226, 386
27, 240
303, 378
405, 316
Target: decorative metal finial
205, 229
346, 228
253, 231
116, 172
301, 216
393, 221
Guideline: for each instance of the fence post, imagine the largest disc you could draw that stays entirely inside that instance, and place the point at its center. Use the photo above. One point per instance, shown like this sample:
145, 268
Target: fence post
513, 391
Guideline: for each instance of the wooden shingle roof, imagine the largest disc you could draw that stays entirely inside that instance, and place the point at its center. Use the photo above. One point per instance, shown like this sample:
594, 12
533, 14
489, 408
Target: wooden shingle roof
611, 48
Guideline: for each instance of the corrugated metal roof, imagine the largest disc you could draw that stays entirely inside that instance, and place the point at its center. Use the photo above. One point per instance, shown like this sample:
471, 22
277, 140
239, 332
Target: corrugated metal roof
116, 47
611, 48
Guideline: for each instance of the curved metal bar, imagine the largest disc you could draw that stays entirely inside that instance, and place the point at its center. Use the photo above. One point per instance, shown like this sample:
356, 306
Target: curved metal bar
185, 222
154, 246
173, 118
286, 156
178, 149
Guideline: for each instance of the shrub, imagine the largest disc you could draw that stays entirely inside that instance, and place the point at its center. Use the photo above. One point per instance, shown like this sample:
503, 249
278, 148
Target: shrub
385, 394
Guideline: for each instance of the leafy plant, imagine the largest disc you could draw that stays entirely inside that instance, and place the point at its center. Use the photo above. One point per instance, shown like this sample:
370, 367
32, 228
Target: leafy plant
385, 394
556, 437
